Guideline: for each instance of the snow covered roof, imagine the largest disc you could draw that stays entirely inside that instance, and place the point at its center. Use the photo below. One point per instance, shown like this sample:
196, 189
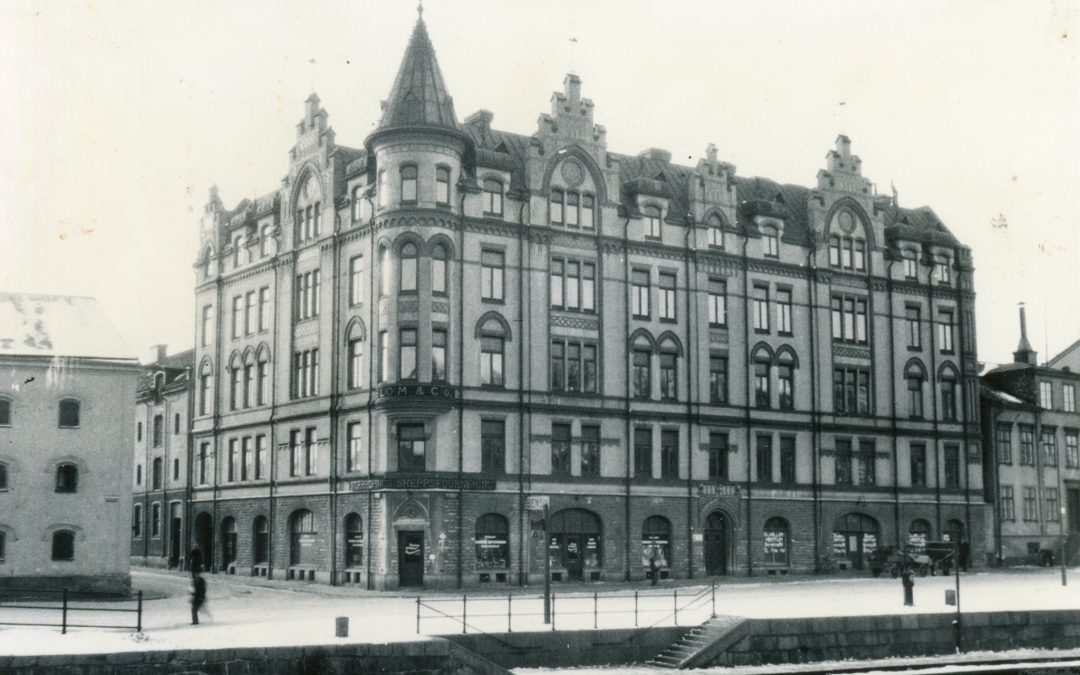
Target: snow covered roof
58, 325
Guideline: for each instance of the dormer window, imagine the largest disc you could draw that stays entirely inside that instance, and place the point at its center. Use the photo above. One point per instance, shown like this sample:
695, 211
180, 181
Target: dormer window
772, 241
652, 221
911, 264
442, 186
556, 211
357, 196
941, 269
493, 197
237, 247
716, 232
408, 184
265, 240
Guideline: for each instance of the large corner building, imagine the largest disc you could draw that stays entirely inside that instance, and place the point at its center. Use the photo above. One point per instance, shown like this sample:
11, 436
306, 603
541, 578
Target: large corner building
409, 350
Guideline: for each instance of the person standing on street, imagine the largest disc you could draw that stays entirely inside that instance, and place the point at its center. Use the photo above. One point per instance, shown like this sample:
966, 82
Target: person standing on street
907, 576
195, 561
198, 598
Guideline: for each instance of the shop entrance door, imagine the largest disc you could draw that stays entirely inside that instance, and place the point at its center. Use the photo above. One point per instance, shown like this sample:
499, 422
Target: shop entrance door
572, 558
410, 559
716, 544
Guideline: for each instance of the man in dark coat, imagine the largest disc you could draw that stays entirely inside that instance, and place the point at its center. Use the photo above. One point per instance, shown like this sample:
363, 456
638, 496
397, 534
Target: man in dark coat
195, 561
907, 576
198, 598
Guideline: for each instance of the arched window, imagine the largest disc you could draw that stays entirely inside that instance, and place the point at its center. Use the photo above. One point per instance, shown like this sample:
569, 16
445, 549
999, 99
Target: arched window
771, 240
5, 412
261, 540
716, 232
155, 474
384, 271
656, 542
652, 221
492, 350
263, 376
63, 545
776, 538
438, 269
67, 477
308, 209
442, 185
159, 424
356, 357
266, 240
492, 541
915, 376
228, 542
303, 538
918, 535
357, 198
354, 541
953, 532
948, 394
69, 413
493, 197
855, 538
575, 544
235, 374
669, 378
556, 207
762, 366
641, 367
785, 379
408, 267
249, 379
408, 183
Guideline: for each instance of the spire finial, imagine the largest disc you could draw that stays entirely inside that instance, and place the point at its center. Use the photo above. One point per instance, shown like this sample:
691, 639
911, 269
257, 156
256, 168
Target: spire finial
420, 10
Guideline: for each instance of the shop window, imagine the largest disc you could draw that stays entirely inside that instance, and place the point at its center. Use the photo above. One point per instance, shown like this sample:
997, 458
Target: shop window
656, 545
492, 541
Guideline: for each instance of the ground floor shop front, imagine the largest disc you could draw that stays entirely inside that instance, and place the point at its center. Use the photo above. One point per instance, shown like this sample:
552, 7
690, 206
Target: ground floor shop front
442, 539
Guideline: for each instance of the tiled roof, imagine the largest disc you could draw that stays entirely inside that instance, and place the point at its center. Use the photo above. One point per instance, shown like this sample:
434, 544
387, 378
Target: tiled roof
500, 149
58, 325
998, 395
419, 96
792, 197
921, 225
674, 178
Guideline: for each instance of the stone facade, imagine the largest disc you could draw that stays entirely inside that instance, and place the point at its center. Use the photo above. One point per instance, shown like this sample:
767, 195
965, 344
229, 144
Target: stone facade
66, 426
432, 335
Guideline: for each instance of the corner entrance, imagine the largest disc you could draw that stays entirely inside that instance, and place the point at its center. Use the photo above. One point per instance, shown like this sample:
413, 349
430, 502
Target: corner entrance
716, 536
410, 559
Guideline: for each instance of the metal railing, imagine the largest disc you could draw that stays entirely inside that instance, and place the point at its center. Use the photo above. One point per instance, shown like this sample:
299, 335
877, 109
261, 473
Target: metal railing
65, 609
569, 611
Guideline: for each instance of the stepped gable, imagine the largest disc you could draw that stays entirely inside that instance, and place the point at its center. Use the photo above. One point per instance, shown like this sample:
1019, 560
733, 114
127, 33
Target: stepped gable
419, 97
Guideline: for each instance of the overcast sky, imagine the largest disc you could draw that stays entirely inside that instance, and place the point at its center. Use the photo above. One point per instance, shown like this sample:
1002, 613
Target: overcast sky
118, 116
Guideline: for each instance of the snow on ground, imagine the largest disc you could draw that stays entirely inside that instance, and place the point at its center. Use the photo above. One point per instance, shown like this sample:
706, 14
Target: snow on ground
255, 613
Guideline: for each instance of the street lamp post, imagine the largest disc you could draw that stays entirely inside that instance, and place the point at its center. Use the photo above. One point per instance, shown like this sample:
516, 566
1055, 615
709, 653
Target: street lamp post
547, 569
1061, 541
956, 623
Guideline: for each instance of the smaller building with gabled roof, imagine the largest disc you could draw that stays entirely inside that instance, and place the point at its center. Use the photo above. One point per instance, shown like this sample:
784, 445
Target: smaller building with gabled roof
67, 381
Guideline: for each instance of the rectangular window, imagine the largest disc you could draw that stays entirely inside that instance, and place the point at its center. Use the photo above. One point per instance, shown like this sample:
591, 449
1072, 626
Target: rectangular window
306, 373
911, 265
1068, 399
296, 452
407, 354
572, 284
1053, 505
1046, 395
913, 327
412, 447
942, 273
573, 366
851, 391
643, 452
785, 386
355, 459
1004, 443
867, 463
246, 459
1027, 445
560, 449
764, 457
639, 280
311, 452
761, 308
306, 295
264, 308
1049, 444
384, 357
718, 379
590, 451
572, 212
1072, 449
945, 331
155, 521
1007, 503
588, 208
442, 185
207, 325
356, 363
159, 422
843, 462
717, 302
204, 462
642, 368
493, 446
849, 319
491, 360
408, 183
918, 465
669, 453
438, 356
787, 459
356, 280
588, 368
558, 366
783, 311
952, 466
762, 397
718, 456
491, 275
231, 467
558, 269
668, 376
261, 465
588, 287
249, 313
556, 207
237, 315
666, 296
1031, 504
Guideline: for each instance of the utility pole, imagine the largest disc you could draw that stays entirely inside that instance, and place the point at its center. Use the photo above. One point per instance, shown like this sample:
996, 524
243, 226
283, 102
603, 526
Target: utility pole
547, 569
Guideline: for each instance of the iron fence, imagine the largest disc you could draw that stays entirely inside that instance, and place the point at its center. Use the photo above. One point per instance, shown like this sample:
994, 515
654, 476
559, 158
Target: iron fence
65, 609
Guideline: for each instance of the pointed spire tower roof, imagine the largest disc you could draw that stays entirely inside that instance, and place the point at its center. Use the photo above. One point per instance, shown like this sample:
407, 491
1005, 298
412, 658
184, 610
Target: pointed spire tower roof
419, 97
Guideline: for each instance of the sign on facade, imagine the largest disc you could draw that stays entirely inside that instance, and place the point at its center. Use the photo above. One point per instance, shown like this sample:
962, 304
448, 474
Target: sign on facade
537, 502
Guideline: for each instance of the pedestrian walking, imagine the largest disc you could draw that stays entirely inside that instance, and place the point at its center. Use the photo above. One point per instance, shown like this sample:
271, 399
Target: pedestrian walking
654, 568
907, 577
198, 599
195, 561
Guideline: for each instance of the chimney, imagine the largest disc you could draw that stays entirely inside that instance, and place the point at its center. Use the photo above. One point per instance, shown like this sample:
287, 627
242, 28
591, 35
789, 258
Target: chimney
159, 353
1024, 353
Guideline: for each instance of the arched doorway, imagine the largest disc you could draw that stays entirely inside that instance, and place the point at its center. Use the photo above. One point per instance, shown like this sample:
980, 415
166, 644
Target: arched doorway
918, 535
954, 534
228, 542
302, 538
354, 541
204, 538
575, 544
855, 537
656, 545
717, 534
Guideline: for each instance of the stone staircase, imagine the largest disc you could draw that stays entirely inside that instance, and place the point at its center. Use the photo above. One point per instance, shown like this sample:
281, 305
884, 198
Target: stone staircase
702, 644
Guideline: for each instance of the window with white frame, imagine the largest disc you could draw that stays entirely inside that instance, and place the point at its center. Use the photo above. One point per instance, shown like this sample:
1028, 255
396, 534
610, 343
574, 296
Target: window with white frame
771, 239
492, 272
652, 215
1046, 395
666, 296
717, 302
493, 197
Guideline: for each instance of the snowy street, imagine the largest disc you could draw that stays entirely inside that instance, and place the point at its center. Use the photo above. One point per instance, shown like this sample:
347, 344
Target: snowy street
249, 612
